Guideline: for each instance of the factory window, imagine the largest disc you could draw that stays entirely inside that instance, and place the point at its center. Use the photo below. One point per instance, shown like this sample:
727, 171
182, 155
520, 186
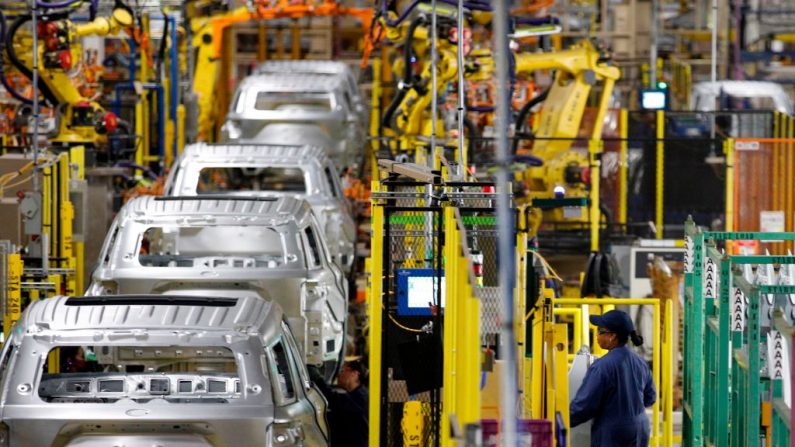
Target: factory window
214, 180
221, 246
106, 374
111, 243
9, 349
281, 374
274, 101
332, 184
314, 247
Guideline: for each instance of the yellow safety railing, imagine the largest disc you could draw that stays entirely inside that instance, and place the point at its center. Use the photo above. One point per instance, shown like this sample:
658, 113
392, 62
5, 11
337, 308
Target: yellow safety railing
550, 371
660, 174
374, 316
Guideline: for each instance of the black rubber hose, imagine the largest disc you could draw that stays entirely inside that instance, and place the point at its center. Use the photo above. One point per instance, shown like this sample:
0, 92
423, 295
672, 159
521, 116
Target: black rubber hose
12, 55
521, 119
161, 52
408, 76
608, 215
3, 79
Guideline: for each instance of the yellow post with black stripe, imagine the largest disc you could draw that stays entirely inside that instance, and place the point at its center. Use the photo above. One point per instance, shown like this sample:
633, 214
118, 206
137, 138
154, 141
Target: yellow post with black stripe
13, 304
374, 315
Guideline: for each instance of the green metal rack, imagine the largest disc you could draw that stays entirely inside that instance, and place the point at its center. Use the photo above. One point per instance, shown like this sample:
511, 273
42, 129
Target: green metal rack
723, 388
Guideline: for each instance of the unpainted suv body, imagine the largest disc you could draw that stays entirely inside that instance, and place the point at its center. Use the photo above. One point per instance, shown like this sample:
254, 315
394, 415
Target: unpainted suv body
321, 101
303, 172
140, 371
264, 246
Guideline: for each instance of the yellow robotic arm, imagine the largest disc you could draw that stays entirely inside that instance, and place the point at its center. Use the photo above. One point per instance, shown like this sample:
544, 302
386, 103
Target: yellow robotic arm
578, 71
81, 121
409, 115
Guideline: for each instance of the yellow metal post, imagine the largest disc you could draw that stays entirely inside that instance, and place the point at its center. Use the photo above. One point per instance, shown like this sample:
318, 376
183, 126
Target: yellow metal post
295, 50
180, 128
77, 159
452, 300
142, 141
375, 117
14, 293
469, 357
660, 179
656, 373
623, 166
728, 149
374, 312
519, 299
548, 391
561, 362
670, 375
66, 215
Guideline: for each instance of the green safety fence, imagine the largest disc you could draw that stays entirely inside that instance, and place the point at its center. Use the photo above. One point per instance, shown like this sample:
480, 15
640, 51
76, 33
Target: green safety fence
728, 380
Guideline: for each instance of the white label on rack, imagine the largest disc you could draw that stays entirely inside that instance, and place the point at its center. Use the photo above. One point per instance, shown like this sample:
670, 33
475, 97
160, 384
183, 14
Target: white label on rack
771, 221
710, 279
738, 310
776, 356
746, 145
688, 254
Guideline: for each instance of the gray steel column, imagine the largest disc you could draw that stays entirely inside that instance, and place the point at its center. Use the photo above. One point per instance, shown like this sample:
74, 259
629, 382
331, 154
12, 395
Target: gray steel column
506, 241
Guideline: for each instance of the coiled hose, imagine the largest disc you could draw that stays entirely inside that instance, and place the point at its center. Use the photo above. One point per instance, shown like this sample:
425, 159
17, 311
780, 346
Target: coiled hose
27, 72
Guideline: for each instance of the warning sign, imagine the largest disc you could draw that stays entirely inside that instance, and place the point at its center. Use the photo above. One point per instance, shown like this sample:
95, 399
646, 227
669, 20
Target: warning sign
710, 279
738, 310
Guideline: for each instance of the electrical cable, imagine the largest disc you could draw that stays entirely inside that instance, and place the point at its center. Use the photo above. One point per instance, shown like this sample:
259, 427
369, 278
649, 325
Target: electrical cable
3, 79
473, 135
521, 118
405, 328
56, 5
408, 77
546, 265
161, 51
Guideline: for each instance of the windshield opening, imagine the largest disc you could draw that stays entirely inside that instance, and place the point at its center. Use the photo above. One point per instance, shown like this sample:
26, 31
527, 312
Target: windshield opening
105, 374
272, 101
230, 246
214, 180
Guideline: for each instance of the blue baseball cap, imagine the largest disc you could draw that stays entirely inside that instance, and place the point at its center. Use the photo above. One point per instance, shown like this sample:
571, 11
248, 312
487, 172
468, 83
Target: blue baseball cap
614, 321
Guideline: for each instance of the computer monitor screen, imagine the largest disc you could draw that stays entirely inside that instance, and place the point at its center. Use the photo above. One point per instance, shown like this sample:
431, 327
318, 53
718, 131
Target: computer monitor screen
418, 290
653, 100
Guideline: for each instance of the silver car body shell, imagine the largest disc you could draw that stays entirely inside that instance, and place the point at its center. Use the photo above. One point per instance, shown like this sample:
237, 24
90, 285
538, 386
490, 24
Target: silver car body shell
246, 417
705, 94
340, 122
332, 68
323, 190
310, 291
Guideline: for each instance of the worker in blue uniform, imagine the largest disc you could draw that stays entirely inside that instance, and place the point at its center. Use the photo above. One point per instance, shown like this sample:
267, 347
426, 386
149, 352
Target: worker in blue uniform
617, 388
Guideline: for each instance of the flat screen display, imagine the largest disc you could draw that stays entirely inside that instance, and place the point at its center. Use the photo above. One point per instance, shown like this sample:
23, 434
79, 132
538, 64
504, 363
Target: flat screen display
417, 291
653, 100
